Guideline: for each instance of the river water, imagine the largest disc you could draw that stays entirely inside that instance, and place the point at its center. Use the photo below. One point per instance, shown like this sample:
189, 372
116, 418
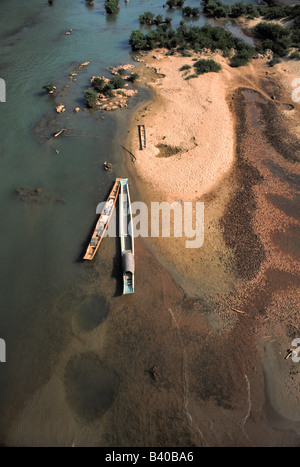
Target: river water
52, 304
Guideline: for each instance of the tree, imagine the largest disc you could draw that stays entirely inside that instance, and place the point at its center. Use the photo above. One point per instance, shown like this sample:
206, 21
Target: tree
98, 84
117, 82
137, 40
91, 97
147, 18
133, 77
274, 37
111, 6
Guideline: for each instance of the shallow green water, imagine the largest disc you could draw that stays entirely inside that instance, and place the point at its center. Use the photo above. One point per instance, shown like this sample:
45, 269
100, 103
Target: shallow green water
42, 242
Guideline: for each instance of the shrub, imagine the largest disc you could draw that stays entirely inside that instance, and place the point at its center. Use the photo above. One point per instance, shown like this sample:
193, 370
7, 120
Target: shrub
243, 56
98, 84
274, 37
108, 90
295, 55
206, 66
133, 77
274, 61
185, 67
117, 82
111, 6
189, 11
147, 18
91, 97
215, 8
49, 87
137, 40
175, 3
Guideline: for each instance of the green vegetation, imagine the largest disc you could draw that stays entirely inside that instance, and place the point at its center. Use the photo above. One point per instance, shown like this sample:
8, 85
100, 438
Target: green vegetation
217, 9
111, 6
276, 12
294, 55
150, 19
98, 84
206, 66
91, 97
189, 11
117, 82
185, 67
49, 88
274, 61
175, 3
243, 55
274, 37
186, 38
133, 77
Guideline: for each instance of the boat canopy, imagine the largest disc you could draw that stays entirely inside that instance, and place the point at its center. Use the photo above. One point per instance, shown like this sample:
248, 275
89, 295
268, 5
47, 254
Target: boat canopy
128, 262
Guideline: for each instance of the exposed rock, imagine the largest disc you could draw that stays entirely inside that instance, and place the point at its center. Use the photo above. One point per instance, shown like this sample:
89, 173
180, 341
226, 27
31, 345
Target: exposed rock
60, 108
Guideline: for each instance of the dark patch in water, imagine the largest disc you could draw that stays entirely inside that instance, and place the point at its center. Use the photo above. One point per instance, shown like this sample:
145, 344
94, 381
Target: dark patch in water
93, 311
90, 385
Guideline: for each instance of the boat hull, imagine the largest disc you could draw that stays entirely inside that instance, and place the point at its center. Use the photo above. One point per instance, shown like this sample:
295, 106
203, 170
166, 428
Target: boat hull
103, 222
126, 238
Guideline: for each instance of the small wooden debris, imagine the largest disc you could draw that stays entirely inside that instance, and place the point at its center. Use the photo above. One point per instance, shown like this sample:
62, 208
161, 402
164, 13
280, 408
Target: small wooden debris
239, 311
59, 132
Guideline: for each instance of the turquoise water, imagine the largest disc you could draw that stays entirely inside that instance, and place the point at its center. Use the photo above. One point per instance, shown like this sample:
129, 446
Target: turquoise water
42, 280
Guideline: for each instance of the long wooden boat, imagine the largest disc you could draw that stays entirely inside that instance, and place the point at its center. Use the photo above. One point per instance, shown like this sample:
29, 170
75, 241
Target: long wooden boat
126, 237
103, 222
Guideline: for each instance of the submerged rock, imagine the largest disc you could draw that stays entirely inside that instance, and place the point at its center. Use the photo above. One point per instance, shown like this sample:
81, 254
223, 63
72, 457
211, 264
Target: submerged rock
36, 195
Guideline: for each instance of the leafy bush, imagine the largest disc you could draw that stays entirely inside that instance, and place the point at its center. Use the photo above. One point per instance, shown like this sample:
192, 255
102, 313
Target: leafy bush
274, 37
295, 55
117, 82
189, 11
274, 61
49, 87
185, 67
175, 3
137, 40
108, 90
215, 8
111, 6
206, 66
244, 54
98, 84
147, 18
133, 77
91, 97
